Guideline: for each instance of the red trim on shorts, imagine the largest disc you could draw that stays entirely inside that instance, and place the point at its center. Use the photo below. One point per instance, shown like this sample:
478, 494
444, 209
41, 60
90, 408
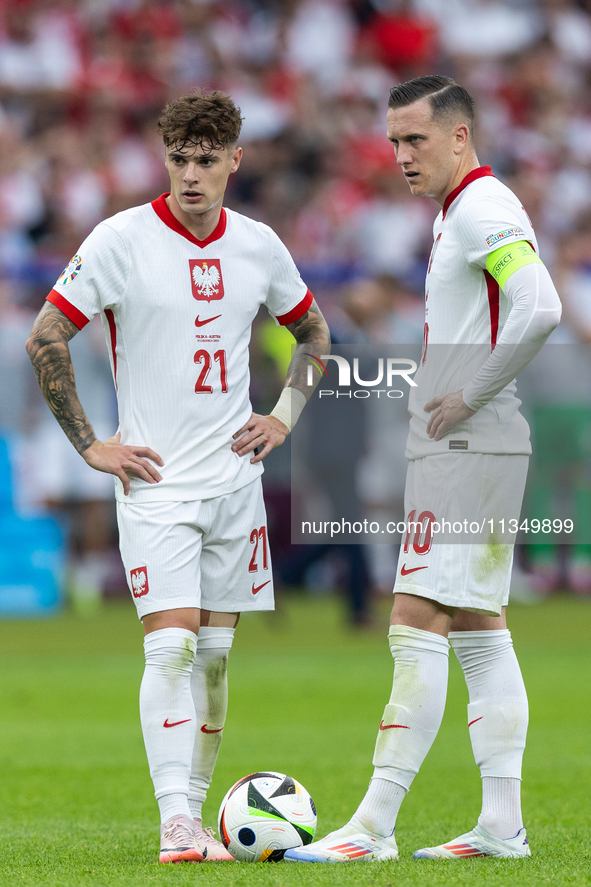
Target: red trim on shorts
296, 312
163, 212
113, 332
493, 306
471, 177
71, 312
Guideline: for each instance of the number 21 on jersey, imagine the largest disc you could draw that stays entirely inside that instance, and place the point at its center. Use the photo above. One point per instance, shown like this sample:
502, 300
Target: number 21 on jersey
203, 358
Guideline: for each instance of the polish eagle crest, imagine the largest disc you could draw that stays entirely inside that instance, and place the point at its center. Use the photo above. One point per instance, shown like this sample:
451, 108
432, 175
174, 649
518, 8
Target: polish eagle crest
207, 279
139, 581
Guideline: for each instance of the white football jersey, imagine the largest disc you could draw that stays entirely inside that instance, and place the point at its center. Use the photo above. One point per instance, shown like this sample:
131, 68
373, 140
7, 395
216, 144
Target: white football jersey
465, 311
177, 314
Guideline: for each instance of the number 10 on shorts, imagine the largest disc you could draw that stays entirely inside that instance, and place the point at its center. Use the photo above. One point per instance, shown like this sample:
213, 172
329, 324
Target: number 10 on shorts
422, 527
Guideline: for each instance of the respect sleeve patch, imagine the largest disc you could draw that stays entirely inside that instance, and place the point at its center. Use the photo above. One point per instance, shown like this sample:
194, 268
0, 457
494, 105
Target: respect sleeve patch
503, 262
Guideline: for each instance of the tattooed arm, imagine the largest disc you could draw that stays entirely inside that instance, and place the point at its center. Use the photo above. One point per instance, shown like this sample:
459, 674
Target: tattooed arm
48, 350
313, 338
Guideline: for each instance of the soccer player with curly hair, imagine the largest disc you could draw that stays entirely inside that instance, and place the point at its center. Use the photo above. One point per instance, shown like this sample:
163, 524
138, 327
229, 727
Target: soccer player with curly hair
177, 284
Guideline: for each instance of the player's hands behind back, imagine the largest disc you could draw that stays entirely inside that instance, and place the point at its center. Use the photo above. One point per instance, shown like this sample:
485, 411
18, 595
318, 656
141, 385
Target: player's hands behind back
267, 432
446, 412
113, 457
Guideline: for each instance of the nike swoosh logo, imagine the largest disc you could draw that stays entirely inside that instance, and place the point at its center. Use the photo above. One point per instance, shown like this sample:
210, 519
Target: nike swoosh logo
475, 719
256, 590
176, 723
392, 726
405, 572
203, 322
205, 730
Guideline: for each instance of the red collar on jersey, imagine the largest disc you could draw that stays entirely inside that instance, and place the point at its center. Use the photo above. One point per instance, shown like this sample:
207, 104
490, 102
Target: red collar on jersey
161, 209
471, 177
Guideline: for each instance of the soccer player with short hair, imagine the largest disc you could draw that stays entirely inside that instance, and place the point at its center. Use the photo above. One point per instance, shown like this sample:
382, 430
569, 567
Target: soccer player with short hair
178, 283
486, 288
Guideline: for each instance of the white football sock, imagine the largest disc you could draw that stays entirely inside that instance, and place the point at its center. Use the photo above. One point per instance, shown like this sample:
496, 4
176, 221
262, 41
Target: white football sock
168, 716
501, 806
497, 719
171, 805
209, 688
409, 725
379, 808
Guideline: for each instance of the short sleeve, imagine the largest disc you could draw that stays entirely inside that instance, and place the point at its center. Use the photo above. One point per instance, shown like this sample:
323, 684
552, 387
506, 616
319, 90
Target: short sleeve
288, 296
484, 225
95, 278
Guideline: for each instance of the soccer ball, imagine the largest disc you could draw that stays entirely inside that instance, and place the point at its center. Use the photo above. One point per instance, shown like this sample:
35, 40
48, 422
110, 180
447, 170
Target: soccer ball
265, 814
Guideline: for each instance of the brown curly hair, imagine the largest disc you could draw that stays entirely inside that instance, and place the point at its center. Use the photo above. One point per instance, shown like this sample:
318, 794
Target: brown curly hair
209, 120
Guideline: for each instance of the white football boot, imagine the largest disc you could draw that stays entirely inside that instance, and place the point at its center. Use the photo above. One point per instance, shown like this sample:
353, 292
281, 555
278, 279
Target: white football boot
478, 842
212, 849
177, 841
351, 843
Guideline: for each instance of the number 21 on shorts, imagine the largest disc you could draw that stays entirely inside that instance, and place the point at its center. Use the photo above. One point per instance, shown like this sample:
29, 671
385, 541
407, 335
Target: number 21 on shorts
262, 556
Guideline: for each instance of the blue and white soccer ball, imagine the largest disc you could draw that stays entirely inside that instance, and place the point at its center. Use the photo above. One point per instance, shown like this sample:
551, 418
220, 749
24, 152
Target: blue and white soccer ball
265, 814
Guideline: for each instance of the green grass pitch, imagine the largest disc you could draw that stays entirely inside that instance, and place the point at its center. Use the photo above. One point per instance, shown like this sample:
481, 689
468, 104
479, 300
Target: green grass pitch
306, 697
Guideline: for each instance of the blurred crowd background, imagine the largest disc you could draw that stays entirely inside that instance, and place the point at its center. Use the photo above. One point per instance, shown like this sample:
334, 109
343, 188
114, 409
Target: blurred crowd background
82, 83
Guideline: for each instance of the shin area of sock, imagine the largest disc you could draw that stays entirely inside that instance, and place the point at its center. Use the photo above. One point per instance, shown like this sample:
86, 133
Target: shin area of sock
413, 715
209, 688
166, 709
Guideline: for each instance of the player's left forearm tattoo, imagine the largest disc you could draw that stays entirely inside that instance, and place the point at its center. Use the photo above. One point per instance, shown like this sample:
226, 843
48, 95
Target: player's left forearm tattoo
48, 350
313, 337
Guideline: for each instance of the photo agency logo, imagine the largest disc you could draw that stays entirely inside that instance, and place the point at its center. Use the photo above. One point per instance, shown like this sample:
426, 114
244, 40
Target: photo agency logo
390, 371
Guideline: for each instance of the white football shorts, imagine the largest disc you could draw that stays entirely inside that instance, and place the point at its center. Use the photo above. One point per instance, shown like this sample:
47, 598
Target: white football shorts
212, 554
467, 489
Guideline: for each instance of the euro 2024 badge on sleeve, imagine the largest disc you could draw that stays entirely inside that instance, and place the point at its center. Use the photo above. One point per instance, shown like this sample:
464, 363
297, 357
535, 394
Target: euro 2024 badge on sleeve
71, 270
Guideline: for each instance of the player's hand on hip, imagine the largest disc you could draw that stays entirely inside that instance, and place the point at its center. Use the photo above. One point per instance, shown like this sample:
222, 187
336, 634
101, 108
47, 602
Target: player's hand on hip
267, 432
447, 412
113, 457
